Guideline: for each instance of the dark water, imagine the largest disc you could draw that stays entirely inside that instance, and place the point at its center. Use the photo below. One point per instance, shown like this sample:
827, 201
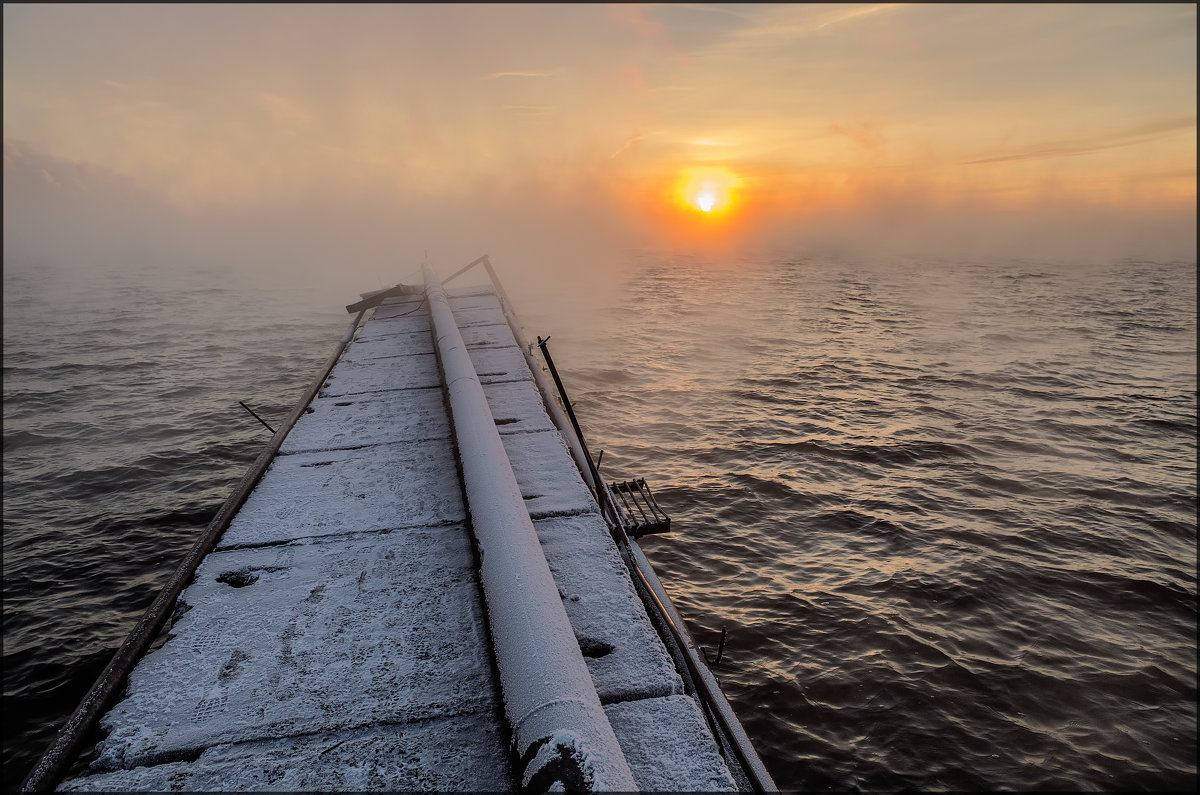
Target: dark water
947, 512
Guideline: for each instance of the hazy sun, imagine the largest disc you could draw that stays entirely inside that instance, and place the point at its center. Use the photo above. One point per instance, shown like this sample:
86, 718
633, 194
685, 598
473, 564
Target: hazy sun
709, 190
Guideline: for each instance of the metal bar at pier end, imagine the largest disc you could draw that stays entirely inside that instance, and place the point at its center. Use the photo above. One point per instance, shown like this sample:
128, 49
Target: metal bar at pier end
54, 761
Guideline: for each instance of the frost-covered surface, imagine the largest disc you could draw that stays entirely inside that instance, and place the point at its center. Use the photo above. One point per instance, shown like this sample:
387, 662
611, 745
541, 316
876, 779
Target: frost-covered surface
623, 653
498, 364
336, 639
333, 492
419, 371
488, 336
403, 341
482, 311
406, 415
546, 473
517, 407
399, 310
459, 753
289, 640
668, 746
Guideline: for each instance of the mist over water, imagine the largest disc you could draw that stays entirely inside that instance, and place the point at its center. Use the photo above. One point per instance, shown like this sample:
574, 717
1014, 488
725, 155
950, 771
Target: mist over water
946, 510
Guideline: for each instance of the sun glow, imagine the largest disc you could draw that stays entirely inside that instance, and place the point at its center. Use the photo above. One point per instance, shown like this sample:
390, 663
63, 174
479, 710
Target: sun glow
709, 190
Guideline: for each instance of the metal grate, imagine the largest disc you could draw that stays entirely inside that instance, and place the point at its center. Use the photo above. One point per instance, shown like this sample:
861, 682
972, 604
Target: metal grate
638, 510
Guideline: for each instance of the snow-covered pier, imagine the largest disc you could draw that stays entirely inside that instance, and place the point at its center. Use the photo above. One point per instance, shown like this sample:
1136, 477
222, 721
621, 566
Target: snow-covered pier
421, 593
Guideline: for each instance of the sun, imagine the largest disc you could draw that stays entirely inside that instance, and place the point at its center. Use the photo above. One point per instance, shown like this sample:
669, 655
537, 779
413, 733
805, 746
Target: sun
709, 189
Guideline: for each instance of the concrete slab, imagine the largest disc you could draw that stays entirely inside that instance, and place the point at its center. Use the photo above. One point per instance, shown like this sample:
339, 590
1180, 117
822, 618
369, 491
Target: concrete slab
401, 325
309, 495
621, 647
360, 377
333, 423
463, 754
668, 746
473, 301
315, 637
479, 310
385, 346
546, 473
517, 407
494, 336
468, 316
495, 365
470, 290
399, 306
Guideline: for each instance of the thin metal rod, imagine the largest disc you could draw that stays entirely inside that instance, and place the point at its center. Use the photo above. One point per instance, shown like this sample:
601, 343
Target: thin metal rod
465, 268
629, 500
260, 419
658, 514
638, 505
601, 493
55, 760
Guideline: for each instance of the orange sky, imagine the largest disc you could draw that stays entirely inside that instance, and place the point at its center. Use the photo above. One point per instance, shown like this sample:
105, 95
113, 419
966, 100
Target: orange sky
869, 119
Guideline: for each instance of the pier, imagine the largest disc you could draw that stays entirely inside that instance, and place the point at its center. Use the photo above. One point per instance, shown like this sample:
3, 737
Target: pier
425, 589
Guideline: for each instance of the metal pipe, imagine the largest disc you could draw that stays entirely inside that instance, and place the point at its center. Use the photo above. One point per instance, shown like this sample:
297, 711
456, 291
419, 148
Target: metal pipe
717, 709
54, 761
560, 732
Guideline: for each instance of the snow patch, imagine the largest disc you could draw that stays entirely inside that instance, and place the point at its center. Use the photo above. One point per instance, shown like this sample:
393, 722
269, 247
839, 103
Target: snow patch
405, 416
308, 495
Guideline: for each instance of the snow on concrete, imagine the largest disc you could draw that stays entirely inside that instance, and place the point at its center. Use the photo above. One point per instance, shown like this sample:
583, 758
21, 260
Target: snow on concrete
494, 336
379, 327
620, 645
317, 637
459, 753
332, 492
386, 346
478, 312
546, 473
494, 365
380, 418
669, 746
517, 407
419, 371
400, 307
470, 301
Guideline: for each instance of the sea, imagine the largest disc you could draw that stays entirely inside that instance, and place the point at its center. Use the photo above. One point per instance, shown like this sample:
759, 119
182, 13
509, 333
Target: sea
944, 511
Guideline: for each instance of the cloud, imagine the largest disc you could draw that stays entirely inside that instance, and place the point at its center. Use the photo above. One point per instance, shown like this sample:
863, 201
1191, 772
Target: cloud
1073, 148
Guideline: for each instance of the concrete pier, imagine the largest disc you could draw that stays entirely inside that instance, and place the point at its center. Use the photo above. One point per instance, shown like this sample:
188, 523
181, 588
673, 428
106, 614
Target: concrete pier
338, 637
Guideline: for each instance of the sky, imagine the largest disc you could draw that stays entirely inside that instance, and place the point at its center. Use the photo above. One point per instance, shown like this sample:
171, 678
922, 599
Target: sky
289, 136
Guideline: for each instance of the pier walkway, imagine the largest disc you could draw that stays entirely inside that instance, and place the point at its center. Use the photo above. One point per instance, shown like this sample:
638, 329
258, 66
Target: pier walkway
339, 636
